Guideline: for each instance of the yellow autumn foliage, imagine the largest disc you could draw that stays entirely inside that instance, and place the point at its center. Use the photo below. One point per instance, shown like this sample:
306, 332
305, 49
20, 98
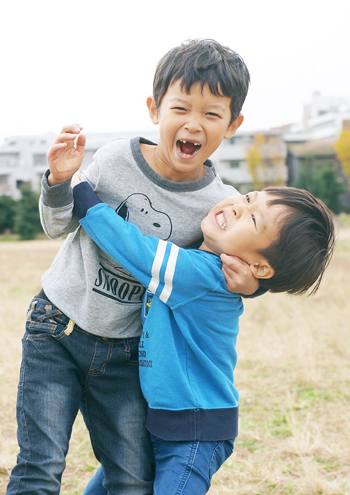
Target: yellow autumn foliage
342, 147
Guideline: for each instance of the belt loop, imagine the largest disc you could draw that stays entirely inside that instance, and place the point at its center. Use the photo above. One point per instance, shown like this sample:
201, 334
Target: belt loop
127, 347
69, 328
32, 308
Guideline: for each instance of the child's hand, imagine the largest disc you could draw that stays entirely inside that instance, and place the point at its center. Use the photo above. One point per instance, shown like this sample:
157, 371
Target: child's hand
238, 276
64, 158
75, 179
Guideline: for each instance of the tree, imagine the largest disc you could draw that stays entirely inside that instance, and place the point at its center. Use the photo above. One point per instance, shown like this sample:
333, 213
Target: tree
255, 161
342, 147
7, 213
27, 219
264, 158
322, 181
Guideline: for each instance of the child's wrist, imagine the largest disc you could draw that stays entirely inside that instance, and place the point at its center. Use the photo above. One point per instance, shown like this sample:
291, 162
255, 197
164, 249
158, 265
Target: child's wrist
52, 181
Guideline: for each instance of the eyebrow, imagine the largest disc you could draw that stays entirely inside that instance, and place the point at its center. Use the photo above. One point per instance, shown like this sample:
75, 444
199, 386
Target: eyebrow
217, 105
214, 106
175, 99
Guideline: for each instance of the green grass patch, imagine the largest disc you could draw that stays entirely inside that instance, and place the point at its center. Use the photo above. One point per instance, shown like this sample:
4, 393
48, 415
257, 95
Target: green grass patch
343, 220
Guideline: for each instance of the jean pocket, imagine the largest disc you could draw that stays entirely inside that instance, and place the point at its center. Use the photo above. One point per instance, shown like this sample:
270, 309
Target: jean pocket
222, 452
37, 330
43, 321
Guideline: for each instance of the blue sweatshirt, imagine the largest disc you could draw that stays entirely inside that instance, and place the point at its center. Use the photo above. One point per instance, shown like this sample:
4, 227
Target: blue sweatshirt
187, 351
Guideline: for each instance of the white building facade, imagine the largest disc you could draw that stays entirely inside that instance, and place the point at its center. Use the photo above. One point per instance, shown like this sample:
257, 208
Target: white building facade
23, 158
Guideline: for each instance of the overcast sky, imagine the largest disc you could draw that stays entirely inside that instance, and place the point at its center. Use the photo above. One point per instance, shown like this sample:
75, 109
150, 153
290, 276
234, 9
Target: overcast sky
93, 62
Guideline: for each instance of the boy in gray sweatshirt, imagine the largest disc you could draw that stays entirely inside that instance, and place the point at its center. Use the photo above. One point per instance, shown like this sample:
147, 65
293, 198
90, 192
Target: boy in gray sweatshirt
80, 349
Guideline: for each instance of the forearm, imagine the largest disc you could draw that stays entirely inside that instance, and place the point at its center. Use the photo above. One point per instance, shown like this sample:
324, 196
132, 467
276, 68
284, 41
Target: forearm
56, 209
121, 240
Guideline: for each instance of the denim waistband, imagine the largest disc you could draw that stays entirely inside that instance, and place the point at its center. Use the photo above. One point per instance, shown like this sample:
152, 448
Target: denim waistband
62, 316
42, 295
65, 319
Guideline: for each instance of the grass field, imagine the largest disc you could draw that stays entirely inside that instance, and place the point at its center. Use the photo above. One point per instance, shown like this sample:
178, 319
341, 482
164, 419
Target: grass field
293, 375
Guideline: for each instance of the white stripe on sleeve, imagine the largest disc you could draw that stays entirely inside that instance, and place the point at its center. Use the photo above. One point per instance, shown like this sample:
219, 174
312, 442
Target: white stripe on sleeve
157, 263
169, 274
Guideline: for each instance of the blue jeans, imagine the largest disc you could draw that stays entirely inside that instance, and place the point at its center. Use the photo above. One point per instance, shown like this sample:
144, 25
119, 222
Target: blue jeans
182, 468
61, 373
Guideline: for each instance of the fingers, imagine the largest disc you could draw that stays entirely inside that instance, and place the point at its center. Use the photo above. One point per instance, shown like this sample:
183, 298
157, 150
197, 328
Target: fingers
71, 128
58, 146
80, 143
69, 133
233, 261
65, 137
238, 276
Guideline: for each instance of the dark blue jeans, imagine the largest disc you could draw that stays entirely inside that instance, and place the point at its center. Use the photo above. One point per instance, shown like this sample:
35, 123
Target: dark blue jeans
182, 468
61, 373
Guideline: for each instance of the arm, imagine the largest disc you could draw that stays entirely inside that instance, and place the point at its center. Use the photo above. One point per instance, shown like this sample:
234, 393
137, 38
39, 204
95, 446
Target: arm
56, 200
165, 269
118, 238
56, 209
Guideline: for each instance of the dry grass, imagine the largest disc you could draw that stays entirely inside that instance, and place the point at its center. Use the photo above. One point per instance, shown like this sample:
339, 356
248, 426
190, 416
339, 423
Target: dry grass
293, 375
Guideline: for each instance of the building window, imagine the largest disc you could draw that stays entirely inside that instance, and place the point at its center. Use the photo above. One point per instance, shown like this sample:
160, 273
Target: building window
9, 160
232, 163
4, 186
19, 183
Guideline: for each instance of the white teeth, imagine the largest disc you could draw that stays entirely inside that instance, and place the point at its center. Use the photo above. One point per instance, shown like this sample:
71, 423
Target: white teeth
221, 221
183, 141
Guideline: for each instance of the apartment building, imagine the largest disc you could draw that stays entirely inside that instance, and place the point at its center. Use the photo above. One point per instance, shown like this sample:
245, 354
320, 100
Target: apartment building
23, 158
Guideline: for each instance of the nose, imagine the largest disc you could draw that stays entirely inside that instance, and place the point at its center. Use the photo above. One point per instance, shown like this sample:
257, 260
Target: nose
193, 124
239, 209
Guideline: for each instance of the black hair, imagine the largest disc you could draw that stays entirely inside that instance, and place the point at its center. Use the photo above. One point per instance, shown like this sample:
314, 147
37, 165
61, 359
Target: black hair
207, 62
305, 245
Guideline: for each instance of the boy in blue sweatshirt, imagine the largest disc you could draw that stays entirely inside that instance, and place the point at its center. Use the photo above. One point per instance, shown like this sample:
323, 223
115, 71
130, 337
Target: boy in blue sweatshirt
187, 353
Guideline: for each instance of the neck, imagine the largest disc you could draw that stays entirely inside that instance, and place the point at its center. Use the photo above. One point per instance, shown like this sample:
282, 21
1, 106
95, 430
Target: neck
204, 247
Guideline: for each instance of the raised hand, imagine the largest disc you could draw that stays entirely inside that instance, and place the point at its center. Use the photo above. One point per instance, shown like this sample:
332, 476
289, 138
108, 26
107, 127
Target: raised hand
65, 157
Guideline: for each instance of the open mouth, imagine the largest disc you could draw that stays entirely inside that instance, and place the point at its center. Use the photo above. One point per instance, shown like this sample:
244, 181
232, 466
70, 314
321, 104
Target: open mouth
220, 220
187, 148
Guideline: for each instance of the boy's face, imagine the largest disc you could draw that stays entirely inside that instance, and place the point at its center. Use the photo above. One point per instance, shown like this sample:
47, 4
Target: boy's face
242, 226
191, 127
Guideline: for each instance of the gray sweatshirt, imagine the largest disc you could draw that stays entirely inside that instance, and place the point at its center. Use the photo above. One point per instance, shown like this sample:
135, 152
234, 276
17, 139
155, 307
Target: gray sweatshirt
86, 284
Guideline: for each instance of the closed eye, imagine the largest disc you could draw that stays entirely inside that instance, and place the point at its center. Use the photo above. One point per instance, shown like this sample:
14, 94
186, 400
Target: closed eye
254, 220
212, 114
181, 109
252, 216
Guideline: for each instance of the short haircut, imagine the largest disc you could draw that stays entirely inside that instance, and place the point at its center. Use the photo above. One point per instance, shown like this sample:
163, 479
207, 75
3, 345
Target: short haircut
207, 62
305, 244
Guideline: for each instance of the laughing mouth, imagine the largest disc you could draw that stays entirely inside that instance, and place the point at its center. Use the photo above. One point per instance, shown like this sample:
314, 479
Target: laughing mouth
220, 219
187, 148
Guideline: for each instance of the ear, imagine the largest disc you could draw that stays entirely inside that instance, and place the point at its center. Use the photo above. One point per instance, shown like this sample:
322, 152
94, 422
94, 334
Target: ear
152, 109
262, 270
232, 128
